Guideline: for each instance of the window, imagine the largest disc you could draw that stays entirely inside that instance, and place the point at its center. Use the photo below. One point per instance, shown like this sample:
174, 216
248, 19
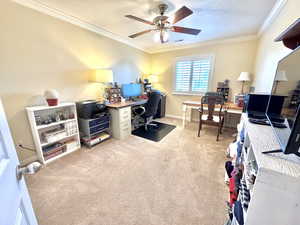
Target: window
192, 75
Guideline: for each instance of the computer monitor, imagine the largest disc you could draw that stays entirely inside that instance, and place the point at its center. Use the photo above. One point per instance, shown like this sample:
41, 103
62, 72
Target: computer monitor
256, 105
131, 90
286, 85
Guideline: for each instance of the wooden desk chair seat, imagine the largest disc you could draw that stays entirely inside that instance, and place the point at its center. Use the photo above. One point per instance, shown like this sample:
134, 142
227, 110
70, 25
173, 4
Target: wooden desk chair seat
215, 112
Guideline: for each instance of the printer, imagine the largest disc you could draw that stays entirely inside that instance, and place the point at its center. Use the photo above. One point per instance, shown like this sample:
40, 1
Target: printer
90, 109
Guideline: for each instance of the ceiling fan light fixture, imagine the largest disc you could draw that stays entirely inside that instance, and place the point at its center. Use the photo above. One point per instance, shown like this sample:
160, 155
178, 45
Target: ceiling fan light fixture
165, 35
156, 36
163, 26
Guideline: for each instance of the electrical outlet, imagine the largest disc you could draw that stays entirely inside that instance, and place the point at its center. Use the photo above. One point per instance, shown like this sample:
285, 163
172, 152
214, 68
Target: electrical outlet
20, 142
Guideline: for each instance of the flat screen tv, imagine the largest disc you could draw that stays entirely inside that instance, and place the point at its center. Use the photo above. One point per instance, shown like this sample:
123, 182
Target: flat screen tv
283, 107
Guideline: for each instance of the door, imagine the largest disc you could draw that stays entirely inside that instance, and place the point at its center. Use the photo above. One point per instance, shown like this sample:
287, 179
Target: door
15, 203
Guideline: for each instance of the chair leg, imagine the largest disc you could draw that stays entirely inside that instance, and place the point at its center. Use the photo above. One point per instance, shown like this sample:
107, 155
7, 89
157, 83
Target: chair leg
199, 127
219, 130
221, 126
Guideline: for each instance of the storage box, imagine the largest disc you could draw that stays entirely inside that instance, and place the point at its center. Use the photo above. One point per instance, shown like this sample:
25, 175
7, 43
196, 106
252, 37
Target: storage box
52, 136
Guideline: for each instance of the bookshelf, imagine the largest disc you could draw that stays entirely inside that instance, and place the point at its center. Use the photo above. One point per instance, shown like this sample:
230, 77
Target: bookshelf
275, 192
55, 130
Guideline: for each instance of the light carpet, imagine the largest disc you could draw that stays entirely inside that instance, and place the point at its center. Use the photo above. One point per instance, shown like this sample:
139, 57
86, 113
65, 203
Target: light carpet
177, 181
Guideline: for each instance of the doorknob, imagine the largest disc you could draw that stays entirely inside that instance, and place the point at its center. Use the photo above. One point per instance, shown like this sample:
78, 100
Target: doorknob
31, 168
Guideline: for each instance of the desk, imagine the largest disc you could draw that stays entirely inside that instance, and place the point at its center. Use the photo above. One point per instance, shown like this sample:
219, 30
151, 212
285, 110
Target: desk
121, 117
188, 106
126, 104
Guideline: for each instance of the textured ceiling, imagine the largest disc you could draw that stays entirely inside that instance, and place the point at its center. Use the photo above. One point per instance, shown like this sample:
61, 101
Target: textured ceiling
217, 19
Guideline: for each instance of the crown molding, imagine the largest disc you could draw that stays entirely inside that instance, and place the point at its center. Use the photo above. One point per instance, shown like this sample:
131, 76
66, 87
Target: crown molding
36, 5
205, 43
272, 16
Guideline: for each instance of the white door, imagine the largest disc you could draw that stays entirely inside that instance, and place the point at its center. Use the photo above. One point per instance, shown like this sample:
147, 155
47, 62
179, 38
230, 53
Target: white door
15, 203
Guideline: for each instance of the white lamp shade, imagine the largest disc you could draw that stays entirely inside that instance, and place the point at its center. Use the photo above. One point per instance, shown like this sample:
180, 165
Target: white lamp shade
153, 78
101, 76
281, 76
244, 76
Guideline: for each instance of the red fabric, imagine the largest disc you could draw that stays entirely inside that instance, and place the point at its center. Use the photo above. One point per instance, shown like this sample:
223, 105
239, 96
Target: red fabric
232, 194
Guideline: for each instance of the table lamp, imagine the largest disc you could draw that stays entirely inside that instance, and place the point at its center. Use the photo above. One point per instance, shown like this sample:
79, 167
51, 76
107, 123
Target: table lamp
279, 77
104, 76
244, 76
153, 78
101, 76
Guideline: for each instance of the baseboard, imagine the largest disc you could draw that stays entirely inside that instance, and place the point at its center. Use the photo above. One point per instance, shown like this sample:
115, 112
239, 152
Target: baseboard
174, 116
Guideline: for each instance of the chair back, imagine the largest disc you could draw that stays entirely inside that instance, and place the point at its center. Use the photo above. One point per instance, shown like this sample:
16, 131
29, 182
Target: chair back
211, 99
152, 105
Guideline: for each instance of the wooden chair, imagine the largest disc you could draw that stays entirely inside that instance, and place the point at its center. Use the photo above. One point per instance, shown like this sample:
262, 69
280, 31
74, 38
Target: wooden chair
215, 112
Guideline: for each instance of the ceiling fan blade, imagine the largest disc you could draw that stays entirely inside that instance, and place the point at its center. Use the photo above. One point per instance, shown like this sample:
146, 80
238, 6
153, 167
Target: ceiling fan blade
140, 33
181, 14
185, 30
139, 19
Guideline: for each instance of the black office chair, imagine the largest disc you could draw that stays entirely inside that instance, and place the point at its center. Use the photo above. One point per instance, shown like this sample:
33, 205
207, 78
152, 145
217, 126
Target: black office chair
149, 110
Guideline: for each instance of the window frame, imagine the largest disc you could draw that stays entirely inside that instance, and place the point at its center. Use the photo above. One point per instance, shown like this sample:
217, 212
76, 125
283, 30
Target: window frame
211, 57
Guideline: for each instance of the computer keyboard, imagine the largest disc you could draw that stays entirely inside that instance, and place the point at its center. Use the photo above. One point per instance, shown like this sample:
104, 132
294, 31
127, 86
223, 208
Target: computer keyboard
260, 121
267, 123
279, 125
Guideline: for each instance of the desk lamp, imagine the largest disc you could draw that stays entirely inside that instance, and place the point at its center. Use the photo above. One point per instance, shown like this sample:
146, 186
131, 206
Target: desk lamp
153, 78
244, 76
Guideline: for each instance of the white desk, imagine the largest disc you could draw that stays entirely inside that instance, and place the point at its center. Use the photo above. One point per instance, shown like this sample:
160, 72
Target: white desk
121, 117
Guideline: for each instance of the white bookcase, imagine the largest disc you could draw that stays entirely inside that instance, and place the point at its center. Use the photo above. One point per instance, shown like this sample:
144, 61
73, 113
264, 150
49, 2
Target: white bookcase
55, 130
275, 198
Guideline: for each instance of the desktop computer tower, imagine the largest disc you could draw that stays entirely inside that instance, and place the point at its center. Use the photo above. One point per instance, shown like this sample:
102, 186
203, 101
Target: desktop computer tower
161, 110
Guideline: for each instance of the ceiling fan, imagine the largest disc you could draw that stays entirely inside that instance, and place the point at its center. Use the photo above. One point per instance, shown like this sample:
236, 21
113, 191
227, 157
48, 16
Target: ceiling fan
163, 26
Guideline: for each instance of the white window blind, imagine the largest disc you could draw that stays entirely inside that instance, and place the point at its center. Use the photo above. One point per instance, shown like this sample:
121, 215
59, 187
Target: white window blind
192, 75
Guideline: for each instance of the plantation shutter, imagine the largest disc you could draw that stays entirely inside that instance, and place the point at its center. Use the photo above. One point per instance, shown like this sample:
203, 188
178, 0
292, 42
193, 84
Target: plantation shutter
192, 76
183, 74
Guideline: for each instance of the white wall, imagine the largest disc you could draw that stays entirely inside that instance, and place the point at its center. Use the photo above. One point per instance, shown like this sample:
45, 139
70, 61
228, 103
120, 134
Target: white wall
270, 52
39, 52
231, 58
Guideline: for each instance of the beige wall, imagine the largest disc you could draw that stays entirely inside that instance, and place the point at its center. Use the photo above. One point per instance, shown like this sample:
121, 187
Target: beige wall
39, 52
270, 52
230, 60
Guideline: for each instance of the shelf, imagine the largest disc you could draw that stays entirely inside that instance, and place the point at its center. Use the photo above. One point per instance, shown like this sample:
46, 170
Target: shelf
37, 130
49, 143
46, 107
62, 154
291, 36
100, 131
54, 124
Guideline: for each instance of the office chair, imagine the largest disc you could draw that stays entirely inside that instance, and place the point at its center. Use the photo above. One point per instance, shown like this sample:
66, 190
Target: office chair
149, 110
214, 117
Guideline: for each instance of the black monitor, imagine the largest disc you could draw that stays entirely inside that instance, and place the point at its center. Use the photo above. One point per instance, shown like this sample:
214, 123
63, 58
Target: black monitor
284, 101
257, 103
256, 106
